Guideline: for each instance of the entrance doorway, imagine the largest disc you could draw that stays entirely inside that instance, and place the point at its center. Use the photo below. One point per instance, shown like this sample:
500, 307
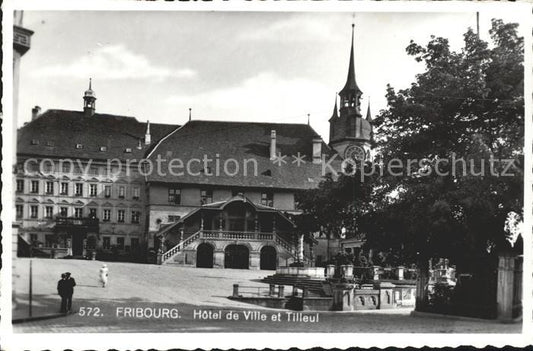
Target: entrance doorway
268, 258
77, 244
236, 256
204, 256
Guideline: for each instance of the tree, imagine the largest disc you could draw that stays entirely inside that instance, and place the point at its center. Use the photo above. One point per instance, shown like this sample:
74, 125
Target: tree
467, 106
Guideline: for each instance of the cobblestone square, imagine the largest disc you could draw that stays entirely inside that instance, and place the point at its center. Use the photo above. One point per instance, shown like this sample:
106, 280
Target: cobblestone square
192, 291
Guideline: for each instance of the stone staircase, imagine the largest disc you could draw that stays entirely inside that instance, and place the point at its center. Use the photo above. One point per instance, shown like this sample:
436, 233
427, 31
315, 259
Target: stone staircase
285, 250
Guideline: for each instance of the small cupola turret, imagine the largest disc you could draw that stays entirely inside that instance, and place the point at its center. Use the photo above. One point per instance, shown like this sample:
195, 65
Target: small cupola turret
89, 100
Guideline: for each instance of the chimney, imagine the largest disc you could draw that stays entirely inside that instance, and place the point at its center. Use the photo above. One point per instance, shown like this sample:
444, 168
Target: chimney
317, 149
147, 136
35, 112
272, 144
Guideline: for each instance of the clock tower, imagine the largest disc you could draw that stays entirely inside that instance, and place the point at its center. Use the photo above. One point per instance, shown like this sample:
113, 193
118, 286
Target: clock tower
351, 135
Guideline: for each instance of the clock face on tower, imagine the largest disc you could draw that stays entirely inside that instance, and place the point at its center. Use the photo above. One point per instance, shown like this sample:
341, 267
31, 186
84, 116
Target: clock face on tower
355, 152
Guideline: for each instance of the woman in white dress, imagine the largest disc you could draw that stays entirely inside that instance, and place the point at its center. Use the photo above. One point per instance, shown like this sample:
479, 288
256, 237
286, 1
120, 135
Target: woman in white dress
103, 275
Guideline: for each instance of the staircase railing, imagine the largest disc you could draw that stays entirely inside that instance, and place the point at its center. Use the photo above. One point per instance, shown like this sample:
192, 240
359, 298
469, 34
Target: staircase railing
285, 245
214, 234
180, 246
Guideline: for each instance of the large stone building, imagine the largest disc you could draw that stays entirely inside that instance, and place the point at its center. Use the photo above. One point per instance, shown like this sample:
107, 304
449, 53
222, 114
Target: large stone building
208, 193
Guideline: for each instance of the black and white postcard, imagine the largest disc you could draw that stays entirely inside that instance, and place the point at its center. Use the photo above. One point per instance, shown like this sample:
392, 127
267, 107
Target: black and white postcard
351, 174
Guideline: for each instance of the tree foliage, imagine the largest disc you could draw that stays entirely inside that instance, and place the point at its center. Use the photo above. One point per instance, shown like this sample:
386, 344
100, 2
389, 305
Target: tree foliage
467, 105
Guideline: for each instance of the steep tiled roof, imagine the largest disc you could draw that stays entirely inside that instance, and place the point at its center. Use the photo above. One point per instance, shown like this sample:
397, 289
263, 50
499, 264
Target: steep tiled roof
240, 141
57, 132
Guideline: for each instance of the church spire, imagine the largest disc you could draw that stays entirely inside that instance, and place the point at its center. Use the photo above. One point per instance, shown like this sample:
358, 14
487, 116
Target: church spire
335, 113
351, 84
368, 113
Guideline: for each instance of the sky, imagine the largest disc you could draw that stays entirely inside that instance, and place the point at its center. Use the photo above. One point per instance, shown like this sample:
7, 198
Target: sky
240, 66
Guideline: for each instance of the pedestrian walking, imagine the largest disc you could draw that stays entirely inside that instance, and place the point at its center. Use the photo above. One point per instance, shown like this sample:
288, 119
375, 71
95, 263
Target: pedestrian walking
62, 291
104, 272
70, 284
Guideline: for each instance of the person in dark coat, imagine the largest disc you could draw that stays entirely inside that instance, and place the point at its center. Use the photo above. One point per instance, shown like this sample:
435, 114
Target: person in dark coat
62, 291
70, 284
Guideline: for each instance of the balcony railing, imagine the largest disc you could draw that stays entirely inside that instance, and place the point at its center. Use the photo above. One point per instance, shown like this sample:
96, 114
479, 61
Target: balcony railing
90, 224
236, 235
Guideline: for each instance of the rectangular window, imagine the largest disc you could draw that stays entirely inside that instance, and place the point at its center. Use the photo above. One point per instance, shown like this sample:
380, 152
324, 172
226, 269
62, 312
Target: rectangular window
79, 189
93, 190
107, 191
49, 212
206, 196
135, 216
50, 188
120, 216
136, 193
106, 243
174, 196
78, 212
134, 243
172, 218
267, 199
63, 211
34, 211
33, 237
107, 215
20, 185
92, 212
20, 211
121, 191
34, 186
64, 188
120, 243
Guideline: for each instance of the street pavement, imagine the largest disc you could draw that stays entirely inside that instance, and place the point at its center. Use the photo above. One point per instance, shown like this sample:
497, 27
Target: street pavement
151, 298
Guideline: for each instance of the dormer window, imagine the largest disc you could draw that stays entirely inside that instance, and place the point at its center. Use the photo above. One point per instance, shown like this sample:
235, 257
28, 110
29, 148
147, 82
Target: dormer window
79, 146
34, 141
49, 143
103, 148
128, 150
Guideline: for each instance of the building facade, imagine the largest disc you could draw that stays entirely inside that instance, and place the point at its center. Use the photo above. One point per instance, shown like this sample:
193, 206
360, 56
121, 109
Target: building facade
205, 194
